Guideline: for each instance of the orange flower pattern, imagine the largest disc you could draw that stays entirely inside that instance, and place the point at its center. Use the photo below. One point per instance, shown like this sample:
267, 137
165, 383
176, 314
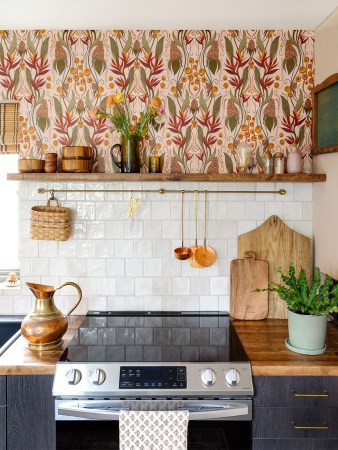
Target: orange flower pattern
218, 88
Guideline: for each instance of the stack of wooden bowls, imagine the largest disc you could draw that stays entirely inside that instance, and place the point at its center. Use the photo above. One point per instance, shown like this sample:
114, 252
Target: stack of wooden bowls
77, 159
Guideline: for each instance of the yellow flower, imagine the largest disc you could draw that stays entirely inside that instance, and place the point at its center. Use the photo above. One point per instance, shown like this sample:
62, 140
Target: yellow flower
119, 97
110, 100
156, 102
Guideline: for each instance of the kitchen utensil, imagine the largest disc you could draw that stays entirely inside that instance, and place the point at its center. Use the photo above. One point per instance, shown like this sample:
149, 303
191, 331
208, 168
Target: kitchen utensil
182, 252
45, 325
205, 256
277, 244
245, 276
192, 259
77, 152
77, 165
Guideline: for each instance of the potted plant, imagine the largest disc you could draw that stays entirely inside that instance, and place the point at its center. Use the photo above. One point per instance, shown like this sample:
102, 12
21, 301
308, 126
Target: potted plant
308, 308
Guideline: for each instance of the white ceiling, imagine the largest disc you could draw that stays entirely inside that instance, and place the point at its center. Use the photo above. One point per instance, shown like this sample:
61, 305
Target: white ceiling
160, 14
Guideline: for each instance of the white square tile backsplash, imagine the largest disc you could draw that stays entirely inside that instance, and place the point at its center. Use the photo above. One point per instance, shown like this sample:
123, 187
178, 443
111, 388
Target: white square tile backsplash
125, 264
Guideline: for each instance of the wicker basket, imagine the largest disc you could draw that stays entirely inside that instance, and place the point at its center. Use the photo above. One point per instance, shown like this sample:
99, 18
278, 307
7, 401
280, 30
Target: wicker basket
50, 222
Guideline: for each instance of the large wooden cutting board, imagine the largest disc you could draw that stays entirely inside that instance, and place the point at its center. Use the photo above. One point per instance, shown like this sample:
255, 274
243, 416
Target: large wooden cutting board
245, 276
279, 245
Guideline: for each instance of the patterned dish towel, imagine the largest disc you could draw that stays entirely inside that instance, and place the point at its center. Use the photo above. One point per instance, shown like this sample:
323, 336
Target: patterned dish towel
153, 430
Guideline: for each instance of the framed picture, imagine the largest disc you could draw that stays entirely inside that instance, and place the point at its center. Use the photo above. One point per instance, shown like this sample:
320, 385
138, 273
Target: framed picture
325, 116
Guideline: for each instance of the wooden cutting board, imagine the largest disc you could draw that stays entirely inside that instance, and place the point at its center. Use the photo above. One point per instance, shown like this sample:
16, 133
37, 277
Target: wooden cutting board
279, 245
245, 276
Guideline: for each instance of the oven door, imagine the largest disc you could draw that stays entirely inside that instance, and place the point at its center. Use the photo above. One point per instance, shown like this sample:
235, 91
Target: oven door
213, 424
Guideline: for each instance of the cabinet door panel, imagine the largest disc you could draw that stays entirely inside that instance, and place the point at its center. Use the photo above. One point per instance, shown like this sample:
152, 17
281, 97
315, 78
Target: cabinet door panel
3, 402
295, 444
282, 422
296, 391
30, 416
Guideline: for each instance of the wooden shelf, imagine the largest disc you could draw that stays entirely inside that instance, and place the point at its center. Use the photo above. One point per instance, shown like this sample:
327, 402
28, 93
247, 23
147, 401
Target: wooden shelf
233, 177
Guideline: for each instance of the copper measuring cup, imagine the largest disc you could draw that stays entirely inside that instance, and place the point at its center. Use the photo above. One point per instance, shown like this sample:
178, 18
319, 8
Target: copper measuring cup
182, 252
192, 258
205, 256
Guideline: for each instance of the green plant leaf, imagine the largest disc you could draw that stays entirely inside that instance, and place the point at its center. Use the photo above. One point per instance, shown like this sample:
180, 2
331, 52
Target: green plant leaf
131, 76
301, 135
229, 48
129, 42
285, 107
258, 79
203, 103
57, 107
159, 48
269, 122
44, 48
200, 136
75, 133
213, 65
30, 44
188, 136
259, 159
29, 79
245, 77
243, 42
143, 77
217, 106
172, 107
186, 101
299, 103
89, 103
175, 65
290, 64
228, 163
145, 44
14, 44
233, 121
259, 42
114, 48
274, 47
86, 134
2, 54
71, 104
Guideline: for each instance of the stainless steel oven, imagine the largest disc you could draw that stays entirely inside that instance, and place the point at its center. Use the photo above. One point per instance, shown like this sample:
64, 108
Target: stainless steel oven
120, 361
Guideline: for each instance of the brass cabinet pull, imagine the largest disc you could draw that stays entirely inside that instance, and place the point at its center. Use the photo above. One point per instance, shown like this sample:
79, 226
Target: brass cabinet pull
324, 394
324, 426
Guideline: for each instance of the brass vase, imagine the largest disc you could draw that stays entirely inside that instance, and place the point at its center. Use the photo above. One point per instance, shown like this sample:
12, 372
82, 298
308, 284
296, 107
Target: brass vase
45, 325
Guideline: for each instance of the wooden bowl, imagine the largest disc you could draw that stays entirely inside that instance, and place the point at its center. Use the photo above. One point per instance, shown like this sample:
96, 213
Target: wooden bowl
31, 165
77, 152
77, 165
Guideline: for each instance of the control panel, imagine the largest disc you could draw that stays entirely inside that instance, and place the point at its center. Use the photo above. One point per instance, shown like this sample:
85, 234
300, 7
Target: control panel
153, 377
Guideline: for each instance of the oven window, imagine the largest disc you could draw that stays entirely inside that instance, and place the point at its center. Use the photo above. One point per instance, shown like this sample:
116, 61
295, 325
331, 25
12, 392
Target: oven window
202, 435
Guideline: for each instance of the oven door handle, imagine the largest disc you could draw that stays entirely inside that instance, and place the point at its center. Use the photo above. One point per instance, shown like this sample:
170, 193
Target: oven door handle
107, 412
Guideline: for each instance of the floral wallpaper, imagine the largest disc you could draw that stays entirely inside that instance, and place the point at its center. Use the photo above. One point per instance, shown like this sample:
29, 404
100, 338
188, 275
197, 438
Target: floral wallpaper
218, 87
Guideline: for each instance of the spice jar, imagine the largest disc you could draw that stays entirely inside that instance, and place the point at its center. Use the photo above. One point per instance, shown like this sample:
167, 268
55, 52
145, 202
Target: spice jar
154, 164
278, 166
268, 163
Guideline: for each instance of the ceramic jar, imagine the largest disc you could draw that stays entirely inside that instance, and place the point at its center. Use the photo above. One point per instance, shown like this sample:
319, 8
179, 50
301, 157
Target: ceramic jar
294, 161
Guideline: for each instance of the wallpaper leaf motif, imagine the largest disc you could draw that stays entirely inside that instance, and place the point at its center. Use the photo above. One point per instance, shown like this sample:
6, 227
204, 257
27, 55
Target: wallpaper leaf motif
219, 87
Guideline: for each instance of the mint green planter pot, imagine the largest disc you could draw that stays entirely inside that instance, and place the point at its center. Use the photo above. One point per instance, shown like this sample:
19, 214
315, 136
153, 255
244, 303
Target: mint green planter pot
307, 333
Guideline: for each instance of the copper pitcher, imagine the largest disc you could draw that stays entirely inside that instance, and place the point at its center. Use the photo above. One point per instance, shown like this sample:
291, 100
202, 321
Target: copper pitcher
45, 325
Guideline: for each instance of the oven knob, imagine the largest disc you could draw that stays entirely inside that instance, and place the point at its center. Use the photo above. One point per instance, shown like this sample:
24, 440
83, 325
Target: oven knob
208, 377
97, 376
73, 376
232, 377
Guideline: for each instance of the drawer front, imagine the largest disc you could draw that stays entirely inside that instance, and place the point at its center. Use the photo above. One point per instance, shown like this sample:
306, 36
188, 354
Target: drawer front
296, 391
294, 444
295, 423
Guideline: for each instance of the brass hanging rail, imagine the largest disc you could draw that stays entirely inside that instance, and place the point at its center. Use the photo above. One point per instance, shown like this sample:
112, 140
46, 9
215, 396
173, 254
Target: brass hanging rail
160, 191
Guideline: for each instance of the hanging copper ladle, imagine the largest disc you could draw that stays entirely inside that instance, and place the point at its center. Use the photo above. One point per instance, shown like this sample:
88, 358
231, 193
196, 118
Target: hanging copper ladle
205, 256
192, 259
182, 252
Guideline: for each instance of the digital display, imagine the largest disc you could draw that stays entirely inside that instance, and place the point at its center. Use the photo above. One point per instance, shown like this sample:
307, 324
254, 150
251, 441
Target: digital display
149, 377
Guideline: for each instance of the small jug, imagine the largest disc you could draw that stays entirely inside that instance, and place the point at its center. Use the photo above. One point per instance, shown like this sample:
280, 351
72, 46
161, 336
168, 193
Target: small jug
45, 325
294, 161
130, 157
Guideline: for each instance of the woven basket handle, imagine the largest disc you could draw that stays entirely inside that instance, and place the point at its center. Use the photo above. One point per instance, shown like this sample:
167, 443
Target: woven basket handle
53, 199
70, 283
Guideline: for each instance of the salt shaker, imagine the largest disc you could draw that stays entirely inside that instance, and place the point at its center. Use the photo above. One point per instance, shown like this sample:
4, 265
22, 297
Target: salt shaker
294, 161
278, 163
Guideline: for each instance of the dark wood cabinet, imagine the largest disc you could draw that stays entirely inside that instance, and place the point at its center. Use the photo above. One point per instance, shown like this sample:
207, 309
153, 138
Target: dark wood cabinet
292, 413
30, 413
3, 407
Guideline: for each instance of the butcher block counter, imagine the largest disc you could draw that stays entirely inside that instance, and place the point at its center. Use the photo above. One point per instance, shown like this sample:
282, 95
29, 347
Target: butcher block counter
263, 341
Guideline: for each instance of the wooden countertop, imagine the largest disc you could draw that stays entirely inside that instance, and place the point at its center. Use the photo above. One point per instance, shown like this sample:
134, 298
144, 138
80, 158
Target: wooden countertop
18, 360
264, 343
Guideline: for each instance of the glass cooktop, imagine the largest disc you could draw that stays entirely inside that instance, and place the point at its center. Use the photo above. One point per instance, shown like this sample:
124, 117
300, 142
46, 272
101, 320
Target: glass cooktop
138, 336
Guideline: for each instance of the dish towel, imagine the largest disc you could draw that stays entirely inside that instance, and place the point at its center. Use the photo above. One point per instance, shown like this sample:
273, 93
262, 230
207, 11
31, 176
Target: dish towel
153, 430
